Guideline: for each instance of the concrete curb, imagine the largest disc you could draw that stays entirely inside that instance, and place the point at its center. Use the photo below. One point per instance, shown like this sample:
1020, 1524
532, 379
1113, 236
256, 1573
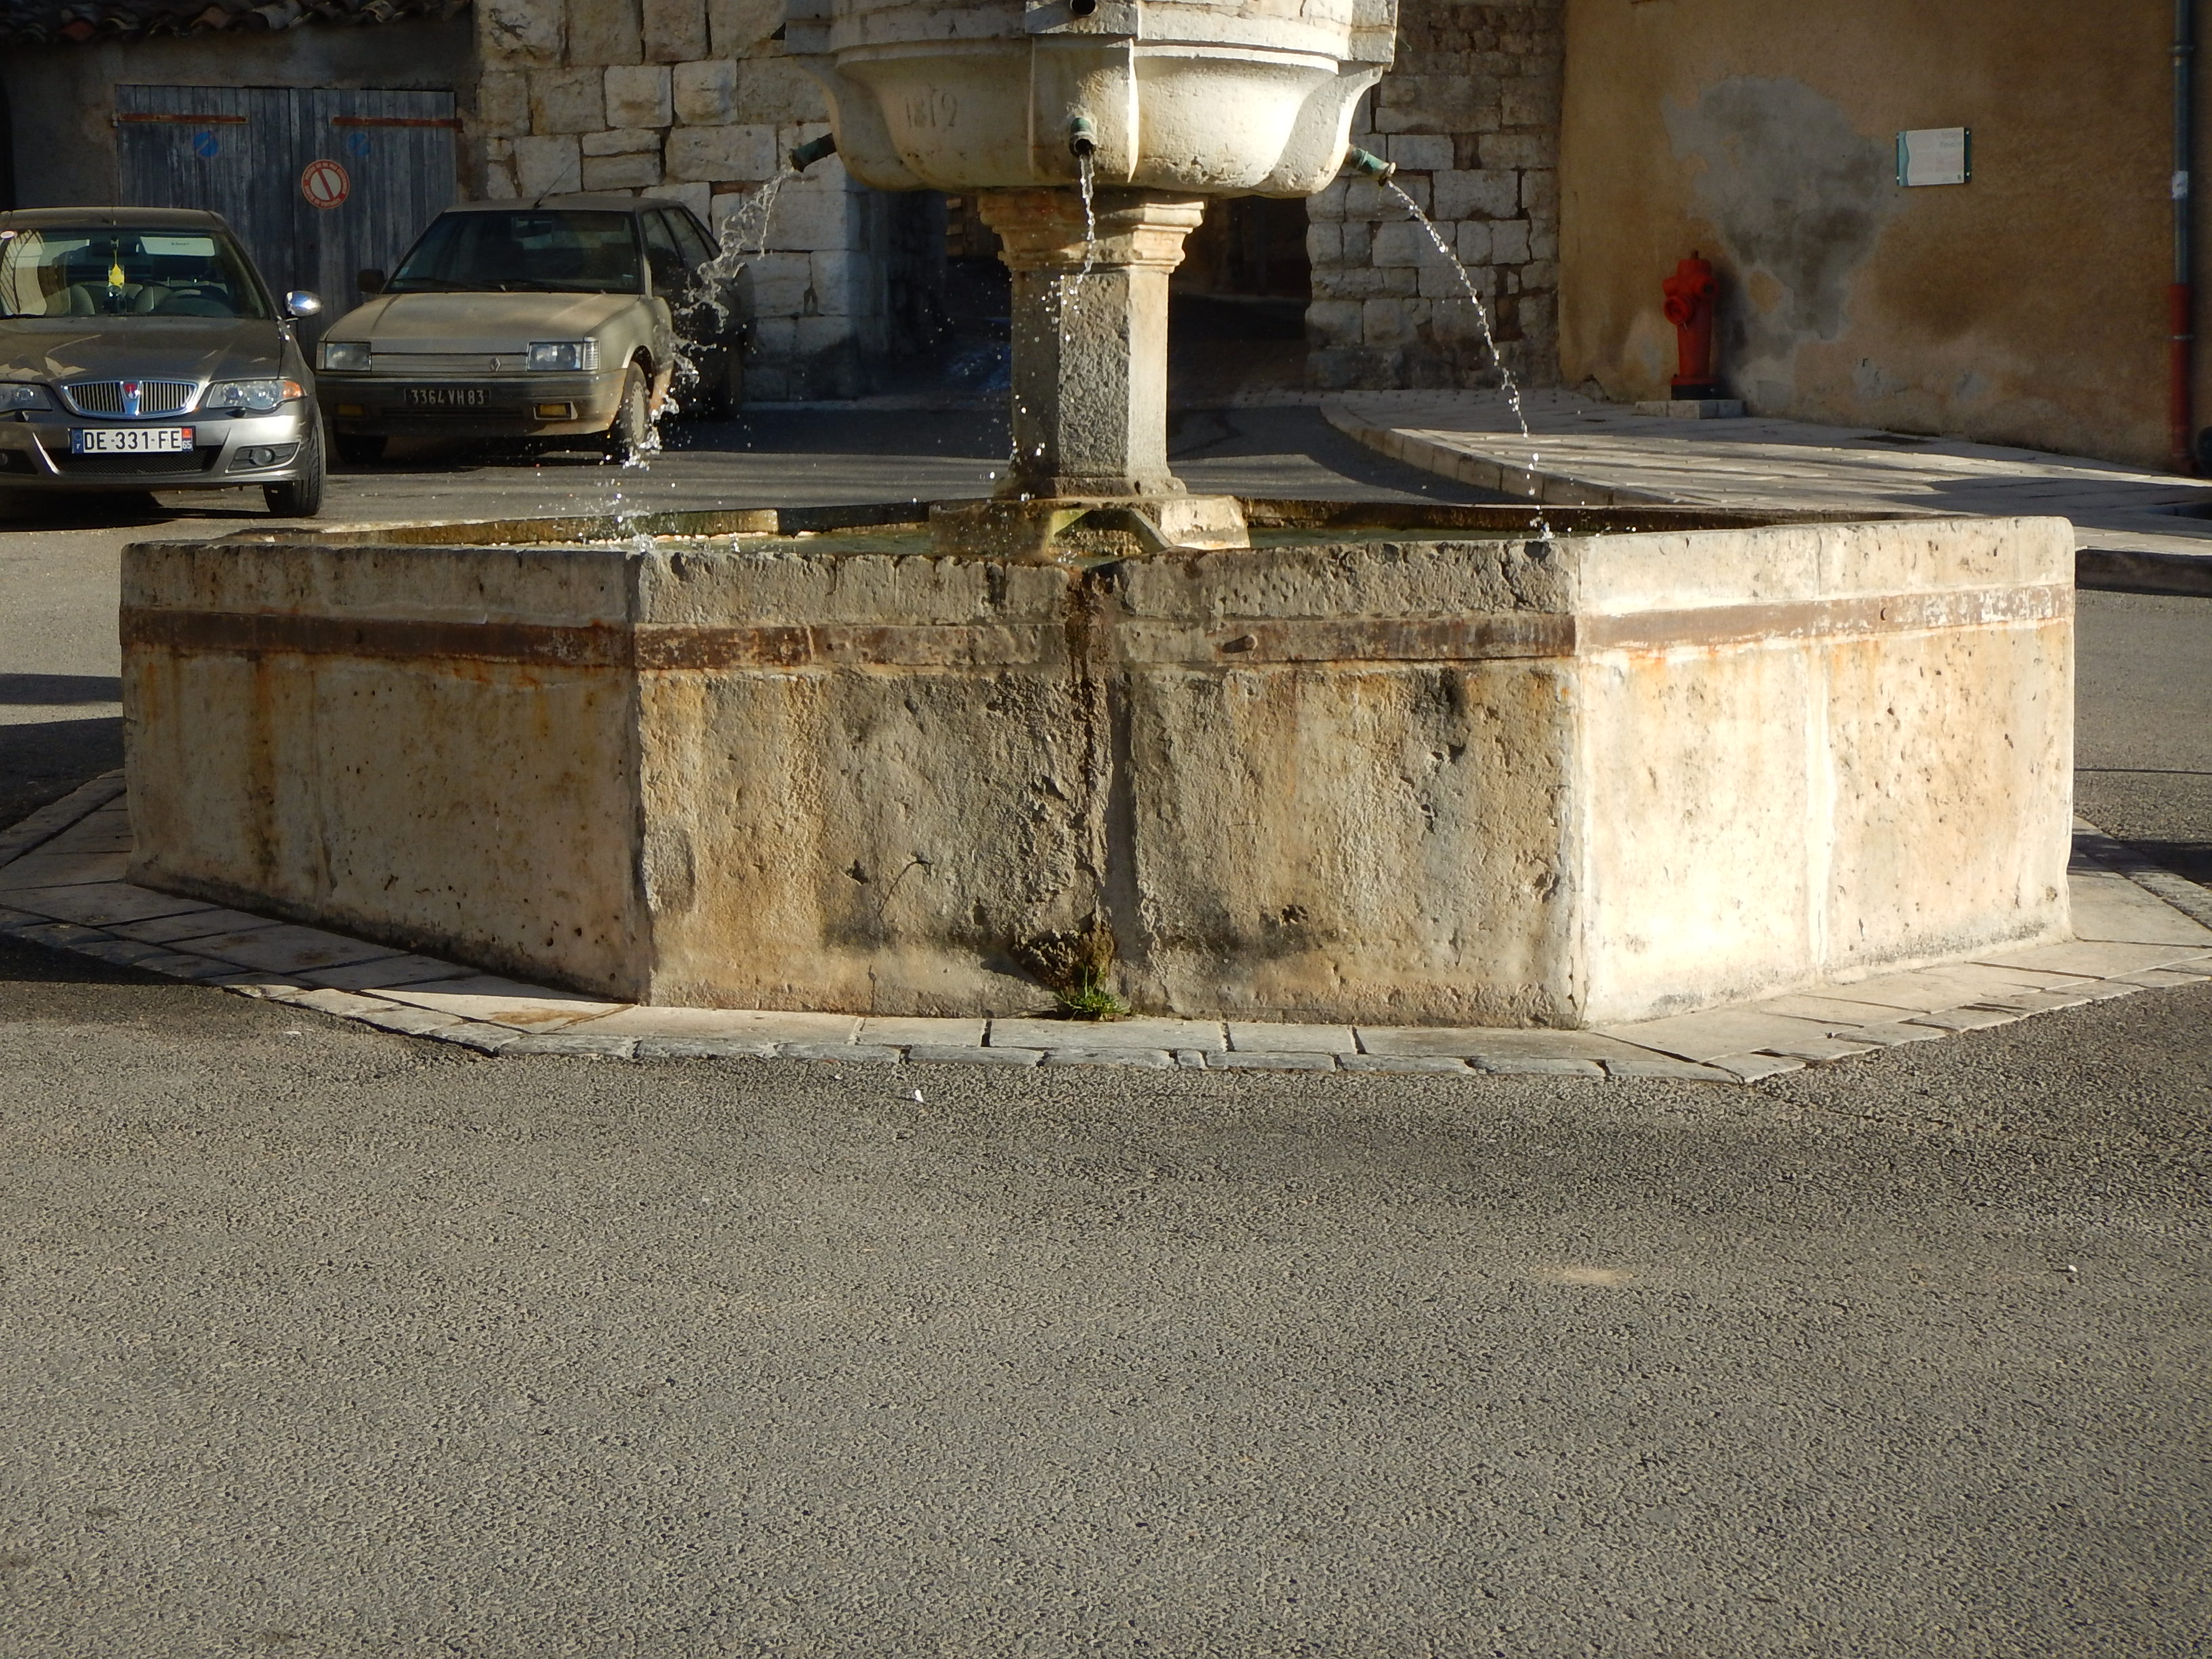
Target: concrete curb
1479, 473
2119, 570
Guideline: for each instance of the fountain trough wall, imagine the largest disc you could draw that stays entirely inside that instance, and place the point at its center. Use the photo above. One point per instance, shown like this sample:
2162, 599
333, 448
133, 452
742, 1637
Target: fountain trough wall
1454, 778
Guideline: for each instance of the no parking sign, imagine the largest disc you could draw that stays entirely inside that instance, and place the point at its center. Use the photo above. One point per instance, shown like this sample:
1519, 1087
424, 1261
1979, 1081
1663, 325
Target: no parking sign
324, 184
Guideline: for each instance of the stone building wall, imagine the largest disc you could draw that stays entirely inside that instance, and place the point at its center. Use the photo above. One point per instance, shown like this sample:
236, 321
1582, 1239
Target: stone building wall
1471, 115
692, 99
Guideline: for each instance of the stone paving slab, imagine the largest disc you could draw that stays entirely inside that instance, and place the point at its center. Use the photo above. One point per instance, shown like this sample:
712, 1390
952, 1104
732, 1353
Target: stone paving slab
2102, 960
2109, 908
200, 922
1930, 989
98, 904
741, 1024
424, 996
1140, 1033
1483, 1042
943, 1033
57, 869
286, 947
1291, 1039
79, 806
384, 973
489, 999
1717, 1031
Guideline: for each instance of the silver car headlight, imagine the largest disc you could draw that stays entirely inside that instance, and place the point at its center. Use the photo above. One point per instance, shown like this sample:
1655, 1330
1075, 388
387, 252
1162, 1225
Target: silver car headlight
574, 356
16, 395
258, 396
346, 357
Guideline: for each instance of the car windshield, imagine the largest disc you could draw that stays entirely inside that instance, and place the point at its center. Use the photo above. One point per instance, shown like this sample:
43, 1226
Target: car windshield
533, 250
118, 271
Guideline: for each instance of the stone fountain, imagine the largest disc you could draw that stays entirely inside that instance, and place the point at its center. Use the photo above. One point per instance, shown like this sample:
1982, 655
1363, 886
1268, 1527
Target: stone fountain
1034, 106
1260, 760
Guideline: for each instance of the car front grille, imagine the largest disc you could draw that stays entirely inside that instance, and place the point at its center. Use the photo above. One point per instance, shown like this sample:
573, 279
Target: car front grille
128, 399
442, 363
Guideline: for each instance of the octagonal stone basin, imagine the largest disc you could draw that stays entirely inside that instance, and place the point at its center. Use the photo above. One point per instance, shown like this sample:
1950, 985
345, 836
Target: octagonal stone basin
1437, 771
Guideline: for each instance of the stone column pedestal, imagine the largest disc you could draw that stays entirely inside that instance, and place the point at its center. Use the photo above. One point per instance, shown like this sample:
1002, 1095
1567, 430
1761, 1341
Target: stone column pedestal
1091, 380
1090, 347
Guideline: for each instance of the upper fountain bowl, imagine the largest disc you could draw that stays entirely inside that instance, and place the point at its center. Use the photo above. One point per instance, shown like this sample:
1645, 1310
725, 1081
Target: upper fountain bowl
1197, 97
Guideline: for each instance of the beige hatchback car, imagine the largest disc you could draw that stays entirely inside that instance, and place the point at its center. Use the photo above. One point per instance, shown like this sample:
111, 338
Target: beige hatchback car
567, 318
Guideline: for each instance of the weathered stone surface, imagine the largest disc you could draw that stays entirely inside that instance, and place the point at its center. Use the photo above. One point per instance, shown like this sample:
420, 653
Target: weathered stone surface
706, 93
710, 153
568, 100
1400, 783
602, 31
637, 95
621, 172
674, 30
521, 32
547, 166
1203, 98
502, 103
628, 141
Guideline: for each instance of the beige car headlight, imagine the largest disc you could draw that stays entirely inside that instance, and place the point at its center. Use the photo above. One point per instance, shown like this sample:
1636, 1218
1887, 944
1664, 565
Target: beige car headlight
573, 355
346, 357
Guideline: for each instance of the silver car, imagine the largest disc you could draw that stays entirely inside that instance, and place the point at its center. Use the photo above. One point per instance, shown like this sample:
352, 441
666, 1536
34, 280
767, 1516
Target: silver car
140, 349
573, 317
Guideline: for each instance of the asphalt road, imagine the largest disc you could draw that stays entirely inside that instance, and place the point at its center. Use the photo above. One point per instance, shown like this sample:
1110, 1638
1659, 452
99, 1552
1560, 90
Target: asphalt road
319, 1341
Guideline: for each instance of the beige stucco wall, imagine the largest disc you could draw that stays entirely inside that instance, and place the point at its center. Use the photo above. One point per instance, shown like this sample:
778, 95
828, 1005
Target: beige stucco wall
2027, 306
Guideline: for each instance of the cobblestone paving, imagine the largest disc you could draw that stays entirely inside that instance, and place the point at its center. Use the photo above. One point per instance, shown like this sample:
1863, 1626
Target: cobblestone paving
62, 884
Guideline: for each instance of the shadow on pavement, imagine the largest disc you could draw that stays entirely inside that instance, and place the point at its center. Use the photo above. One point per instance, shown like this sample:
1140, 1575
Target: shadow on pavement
43, 760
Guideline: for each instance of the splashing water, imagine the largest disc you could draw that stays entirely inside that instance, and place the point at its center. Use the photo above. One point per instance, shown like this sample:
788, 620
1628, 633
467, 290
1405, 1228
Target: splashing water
1069, 291
1511, 386
744, 240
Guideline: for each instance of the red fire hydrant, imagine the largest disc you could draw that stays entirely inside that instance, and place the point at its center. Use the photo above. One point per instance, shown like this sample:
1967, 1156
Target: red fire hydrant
1690, 292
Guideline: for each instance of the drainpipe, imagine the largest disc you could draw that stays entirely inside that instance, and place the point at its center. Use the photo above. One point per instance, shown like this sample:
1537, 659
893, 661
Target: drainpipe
2181, 297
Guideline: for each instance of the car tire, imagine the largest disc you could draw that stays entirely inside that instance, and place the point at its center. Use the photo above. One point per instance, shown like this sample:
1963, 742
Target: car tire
301, 497
633, 421
361, 448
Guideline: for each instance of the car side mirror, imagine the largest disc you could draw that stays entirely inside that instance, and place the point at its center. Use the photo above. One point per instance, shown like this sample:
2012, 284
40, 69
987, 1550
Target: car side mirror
300, 303
369, 282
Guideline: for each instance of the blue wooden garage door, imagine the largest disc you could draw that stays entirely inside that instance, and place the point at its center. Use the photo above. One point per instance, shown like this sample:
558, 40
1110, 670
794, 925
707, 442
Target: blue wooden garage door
317, 183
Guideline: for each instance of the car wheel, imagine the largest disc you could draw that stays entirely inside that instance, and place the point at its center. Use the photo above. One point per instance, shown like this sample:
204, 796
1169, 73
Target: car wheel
633, 423
301, 497
361, 448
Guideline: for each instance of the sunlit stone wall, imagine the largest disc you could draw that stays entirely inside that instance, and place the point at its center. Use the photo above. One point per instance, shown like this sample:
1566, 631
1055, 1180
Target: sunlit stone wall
1471, 115
692, 99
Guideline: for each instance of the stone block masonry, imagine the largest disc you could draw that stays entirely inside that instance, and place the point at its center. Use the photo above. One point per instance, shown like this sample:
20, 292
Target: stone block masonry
1471, 115
1483, 782
690, 99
